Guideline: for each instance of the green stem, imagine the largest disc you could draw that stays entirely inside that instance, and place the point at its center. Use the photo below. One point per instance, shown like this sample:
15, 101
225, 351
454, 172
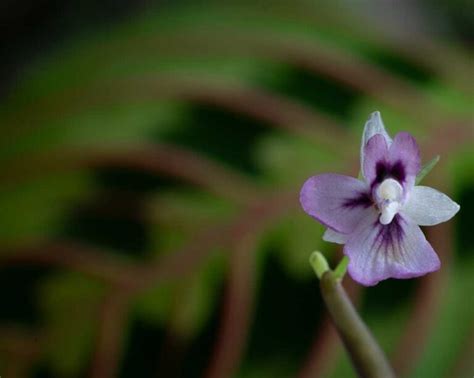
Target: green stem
366, 355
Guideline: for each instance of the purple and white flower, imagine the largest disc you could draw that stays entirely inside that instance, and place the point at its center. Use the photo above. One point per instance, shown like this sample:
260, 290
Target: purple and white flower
378, 219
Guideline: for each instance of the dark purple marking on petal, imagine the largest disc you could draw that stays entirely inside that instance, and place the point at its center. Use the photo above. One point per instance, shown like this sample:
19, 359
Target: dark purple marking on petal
362, 199
396, 250
381, 170
398, 171
389, 234
323, 197
405, 149
385, 170
390, 237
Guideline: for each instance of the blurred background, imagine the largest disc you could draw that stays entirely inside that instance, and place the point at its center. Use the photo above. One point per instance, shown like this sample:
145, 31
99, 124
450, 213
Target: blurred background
151, 159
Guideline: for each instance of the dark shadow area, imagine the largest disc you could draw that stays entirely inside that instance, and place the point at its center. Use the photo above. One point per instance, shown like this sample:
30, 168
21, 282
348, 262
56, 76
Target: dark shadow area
119, 232
287, 316
140, 357
219, 133
317, 91
198, 354
32, 28
387, 295
18, 290
463, 223
400, 65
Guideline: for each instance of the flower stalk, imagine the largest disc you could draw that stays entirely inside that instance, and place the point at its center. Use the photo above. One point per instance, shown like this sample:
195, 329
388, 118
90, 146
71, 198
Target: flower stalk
366, 355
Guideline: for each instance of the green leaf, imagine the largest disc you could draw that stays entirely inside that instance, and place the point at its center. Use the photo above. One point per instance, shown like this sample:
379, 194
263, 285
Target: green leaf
293, 238
155, 304
32, 210
114, 125
70, 303
292, 159
178, 214
196, 298
186, 304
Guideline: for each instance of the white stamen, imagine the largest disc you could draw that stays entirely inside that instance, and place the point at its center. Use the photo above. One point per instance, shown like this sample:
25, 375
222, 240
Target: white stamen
390, 190
389, 196
388, 212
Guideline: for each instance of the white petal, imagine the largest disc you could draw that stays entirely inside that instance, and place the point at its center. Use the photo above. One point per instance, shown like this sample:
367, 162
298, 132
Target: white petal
374, 125
427, 206
335, 237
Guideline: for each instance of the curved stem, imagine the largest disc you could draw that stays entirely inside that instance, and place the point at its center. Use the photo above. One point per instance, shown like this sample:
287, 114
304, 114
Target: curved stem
366, 355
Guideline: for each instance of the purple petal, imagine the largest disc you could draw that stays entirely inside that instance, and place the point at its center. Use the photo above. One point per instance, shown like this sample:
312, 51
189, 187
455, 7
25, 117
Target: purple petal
397, 250
405, 154
373, 126
375, 154
401, 161
339, 202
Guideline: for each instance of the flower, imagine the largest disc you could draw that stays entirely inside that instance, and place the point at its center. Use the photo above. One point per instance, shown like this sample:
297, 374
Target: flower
378, 219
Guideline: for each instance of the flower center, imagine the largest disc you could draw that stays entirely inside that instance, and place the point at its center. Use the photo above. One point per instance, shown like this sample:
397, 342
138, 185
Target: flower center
389, 197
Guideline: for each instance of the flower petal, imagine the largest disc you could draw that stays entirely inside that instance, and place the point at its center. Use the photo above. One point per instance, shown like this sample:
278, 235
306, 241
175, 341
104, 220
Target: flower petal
335, 237
375, 154
373, 126
427, 206
404, 156
337, 201
401, 161
397, 250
